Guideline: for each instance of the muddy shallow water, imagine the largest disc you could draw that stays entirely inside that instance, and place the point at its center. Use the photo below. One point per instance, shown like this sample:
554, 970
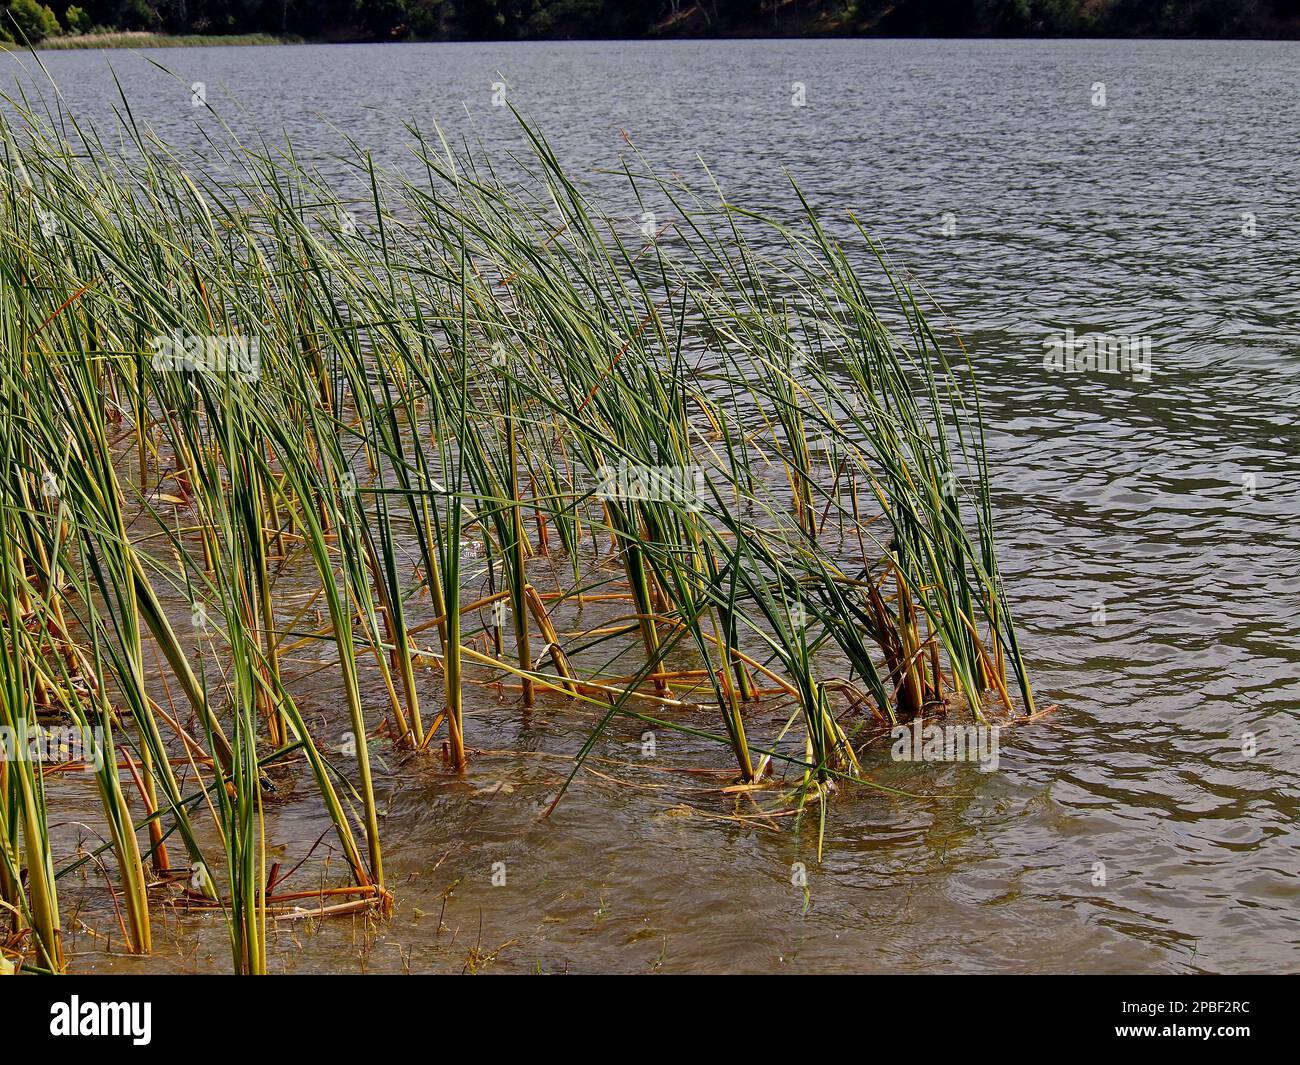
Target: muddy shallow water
1149, 528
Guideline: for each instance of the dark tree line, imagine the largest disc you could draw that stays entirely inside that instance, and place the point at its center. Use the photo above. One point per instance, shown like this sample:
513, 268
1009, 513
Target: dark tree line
508, 19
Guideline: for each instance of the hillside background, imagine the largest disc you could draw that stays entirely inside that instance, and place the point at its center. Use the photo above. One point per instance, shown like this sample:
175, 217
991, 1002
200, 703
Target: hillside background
541, 19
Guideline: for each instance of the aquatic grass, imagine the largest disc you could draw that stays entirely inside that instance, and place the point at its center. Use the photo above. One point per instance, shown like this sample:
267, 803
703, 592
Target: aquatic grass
456, 378
142, 39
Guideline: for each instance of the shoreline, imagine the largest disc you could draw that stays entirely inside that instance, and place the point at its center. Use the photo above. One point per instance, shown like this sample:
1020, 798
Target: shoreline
124, 39
140, 40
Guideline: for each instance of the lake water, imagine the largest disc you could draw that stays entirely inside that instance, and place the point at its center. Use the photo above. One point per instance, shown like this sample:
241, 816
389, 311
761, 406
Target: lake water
1150, 528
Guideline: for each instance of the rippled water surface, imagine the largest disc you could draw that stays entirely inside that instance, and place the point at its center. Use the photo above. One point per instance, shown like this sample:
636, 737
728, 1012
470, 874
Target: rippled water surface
1167, 509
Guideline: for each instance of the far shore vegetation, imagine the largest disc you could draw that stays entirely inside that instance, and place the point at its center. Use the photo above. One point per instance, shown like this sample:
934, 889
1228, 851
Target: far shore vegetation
168, 23
144, 39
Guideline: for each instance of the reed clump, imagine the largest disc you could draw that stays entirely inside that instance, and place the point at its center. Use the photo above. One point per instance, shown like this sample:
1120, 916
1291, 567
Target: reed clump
256, 430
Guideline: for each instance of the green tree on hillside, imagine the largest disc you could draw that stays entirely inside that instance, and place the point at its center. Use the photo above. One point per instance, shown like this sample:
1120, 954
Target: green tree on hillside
34, 21
77, 20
